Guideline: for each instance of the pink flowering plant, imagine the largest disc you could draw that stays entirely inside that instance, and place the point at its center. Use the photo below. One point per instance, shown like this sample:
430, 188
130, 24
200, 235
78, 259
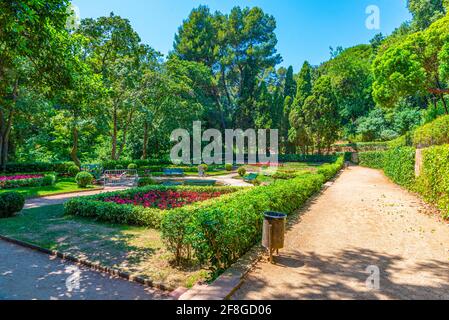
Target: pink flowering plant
164, 199
26, 180
143, 206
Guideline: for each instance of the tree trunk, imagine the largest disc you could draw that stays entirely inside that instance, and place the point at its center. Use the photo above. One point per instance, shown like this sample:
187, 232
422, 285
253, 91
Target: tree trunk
145, 141
114, 134
444, 104
74, 151
125, 134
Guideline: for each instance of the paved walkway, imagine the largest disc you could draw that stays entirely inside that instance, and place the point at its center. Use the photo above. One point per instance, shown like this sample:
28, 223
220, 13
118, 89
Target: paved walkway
26, 274
362, 220
62, 198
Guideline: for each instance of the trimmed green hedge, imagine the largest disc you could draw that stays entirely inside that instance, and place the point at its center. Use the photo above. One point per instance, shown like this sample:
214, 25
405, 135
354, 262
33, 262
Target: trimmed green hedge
372, 159
399, 165
46, 180
307, 158
95, 207
433, 133
220, 231
39, 167
433, 182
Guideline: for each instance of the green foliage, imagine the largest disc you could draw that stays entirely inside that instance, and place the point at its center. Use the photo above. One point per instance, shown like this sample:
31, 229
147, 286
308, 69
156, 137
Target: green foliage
95, 207
10, 204
434, 133
219, 232
330, 170
46, 180
37, 167
146, 181
203, 167
425, 12
229, 167
73, 171
241, 171
372, 159
433, 183
84, 179
132, 166
399, 165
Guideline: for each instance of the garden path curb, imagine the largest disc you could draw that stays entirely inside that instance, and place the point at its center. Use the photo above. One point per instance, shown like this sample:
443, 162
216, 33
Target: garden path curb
173, 292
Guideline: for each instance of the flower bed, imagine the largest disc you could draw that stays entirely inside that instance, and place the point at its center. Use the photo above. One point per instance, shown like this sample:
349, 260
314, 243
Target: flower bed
28, 180
144, 206
164, 199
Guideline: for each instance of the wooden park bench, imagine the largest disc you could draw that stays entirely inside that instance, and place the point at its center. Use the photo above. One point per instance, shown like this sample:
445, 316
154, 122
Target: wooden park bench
251, 177
173, 172
200, 183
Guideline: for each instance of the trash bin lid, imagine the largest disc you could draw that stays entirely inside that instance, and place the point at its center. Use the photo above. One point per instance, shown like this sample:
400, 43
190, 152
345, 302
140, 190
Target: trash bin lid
275, 215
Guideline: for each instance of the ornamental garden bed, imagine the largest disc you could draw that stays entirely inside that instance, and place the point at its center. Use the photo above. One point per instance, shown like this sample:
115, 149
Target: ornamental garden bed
26, 180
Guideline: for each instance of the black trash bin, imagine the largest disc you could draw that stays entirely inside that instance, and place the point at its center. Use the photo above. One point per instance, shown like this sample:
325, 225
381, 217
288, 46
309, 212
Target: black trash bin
274, 231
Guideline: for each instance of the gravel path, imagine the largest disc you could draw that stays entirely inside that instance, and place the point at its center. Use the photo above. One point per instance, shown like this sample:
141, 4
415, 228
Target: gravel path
26, 274
62, 198
362, 220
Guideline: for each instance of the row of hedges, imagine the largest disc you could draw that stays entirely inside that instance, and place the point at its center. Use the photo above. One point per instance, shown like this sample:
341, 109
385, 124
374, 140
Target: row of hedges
46, 180
38, 167
433, 133
397, 163
361, 146
95, 207
433, 183
308, 158
219, 232
372, 159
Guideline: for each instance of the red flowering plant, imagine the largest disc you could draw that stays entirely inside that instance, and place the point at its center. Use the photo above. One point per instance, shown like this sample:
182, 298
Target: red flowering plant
26, 180
164, 199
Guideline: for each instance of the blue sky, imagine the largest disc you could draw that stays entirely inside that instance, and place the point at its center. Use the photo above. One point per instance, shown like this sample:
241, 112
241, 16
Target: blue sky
305, 28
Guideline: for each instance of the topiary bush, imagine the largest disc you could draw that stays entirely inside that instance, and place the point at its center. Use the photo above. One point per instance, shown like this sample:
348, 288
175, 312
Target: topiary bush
229, 167
73, 171
132, 166
10, 204
242, 171
49, 180
84, 179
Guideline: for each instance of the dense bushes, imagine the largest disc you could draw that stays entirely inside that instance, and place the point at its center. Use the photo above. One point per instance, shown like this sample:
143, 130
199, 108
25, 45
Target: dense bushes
307, 158
372, 159
399, 165
329, 170
83, 179
28, 181
221, 231
10, 204
59, 167
95, 207
433, 183
433, 133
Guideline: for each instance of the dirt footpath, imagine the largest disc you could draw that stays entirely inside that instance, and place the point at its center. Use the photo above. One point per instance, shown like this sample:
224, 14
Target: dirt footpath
361, 224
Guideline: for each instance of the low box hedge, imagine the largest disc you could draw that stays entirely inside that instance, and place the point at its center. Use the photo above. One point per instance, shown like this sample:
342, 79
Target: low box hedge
45, 180
372, 159
38, 167
433, 133
219, 232
96, 207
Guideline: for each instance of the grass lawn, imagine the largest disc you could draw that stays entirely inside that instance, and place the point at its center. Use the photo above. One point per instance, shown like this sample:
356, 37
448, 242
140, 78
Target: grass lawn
62, 186
139, 251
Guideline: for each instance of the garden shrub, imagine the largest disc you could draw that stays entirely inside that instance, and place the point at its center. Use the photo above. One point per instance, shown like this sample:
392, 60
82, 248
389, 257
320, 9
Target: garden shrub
220, 231
204, 167
372, 159
433, 183
330, 170
32, 180
433, 133
399, 165
10, 204
96, 207
132, 166
38, 167
229, 167
242, 171
307, 158
146, 181
73, 171
83, 179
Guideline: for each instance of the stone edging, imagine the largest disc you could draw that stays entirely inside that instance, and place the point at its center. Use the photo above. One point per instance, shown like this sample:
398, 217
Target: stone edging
94, 266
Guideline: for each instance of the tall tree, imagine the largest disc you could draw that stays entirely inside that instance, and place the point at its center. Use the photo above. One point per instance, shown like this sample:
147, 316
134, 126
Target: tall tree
425, 12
